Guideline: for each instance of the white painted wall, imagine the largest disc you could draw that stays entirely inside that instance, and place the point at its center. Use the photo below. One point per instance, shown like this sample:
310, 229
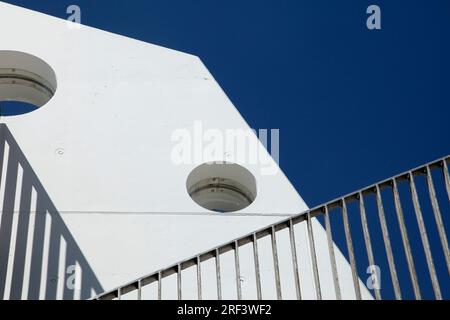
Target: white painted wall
100, 184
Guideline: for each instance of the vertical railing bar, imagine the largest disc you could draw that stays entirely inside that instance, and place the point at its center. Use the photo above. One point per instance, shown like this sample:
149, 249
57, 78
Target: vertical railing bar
424, 238
438, 218
294, 260
446, 177
139, 297
218, 277
337, 289
351, 253
257, 273
179, 282
387, 244
405, 240
119, 294
313, 256
159, 286
368, 242
238, 271
275, 262
199, 279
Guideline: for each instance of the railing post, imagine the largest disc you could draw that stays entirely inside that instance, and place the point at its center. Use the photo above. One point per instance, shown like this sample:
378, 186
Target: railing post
199, 279
367, 241
337, 289
139, 297
387, 244
275, 262
237, 269
405, 240
179, 289
313, 256
257, 272
159, 286
294, 259
424, 237
348, 238
218, 277
438, 217
446, 177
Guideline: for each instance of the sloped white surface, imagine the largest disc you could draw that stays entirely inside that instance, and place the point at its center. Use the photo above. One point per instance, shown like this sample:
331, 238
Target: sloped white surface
99, 153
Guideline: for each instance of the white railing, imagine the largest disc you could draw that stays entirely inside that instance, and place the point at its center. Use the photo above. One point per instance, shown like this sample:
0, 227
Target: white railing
403, 212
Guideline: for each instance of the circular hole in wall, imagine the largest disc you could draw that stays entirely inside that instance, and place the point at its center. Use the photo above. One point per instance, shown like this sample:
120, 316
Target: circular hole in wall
26, 83
222, 186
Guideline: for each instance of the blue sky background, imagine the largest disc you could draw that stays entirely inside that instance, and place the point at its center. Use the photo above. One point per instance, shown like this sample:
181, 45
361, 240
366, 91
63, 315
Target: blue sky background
353, 106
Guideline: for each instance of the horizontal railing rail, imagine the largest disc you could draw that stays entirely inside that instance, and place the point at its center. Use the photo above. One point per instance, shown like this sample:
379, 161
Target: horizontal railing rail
412, 228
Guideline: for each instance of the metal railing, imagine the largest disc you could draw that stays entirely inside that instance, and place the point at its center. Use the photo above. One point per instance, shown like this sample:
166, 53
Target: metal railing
423, 196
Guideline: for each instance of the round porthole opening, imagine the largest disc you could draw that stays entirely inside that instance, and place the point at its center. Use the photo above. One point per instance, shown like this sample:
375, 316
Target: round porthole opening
222, 186
26, 83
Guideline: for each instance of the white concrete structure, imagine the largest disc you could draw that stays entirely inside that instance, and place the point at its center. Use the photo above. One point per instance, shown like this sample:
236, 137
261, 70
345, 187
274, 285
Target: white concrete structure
88, 182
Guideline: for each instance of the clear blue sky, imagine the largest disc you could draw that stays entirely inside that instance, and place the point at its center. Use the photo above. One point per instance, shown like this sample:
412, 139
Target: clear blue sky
353, 106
